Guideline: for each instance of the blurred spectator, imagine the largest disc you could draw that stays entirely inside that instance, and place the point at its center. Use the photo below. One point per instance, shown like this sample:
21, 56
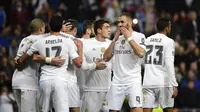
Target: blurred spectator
3, 77
189, 53
188, 96
150, 17
45, 13
191, 29
38, 4
6, 100
19, 15
113, 10
30, 7
6, 67
191, 77
2, 18
13, 48
178, 75
4, 38
179, 55
3, 52
183, 70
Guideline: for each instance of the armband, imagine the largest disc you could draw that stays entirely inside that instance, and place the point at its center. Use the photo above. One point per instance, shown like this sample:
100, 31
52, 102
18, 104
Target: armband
48, 60
129, 39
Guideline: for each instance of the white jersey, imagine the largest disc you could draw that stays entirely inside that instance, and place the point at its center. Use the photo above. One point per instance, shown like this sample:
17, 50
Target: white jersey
71, 67
127, 65
159, 48
96, 80
28, 77
53, 46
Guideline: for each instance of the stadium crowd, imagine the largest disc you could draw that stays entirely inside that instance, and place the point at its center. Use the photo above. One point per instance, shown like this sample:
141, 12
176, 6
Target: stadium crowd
15, 16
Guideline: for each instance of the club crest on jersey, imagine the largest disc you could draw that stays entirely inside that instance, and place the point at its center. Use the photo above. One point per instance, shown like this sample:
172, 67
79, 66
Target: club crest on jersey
103, 49
30, 42
123, 42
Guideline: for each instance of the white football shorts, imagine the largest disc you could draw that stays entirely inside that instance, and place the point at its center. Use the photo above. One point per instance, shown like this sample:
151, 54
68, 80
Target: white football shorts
117, 94
154, 96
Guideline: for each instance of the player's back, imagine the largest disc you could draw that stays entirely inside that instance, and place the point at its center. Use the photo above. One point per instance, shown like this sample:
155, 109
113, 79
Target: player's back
53, 46
157, 47
71, 70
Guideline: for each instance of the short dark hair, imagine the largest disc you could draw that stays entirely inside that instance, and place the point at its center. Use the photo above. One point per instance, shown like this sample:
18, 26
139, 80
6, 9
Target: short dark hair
127, 15
56, 23
73, 22
162, 23
35, 25
98, 24
87, 24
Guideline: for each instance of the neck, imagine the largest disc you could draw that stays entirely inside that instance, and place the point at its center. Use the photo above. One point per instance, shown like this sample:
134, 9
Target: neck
36, 33
164, 33
69, 33
86, 36
100, 38
55, 33
130, 29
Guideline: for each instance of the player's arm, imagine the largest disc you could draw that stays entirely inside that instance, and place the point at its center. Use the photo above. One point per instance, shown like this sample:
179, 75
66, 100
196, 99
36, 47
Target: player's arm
76, 56
169, 62
108, 54
58, 61
92, 66
138, 48
33, 49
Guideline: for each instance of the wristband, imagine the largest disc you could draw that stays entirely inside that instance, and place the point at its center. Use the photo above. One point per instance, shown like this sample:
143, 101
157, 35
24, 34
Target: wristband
48, 60
129, 39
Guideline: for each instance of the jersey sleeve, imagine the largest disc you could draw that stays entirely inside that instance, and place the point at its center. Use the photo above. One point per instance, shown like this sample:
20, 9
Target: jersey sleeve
169, 61
34, 48
141, 41
87, 66
72, 50
22, 47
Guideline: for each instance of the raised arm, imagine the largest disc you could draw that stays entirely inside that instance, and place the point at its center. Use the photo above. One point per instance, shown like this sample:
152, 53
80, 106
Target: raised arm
108, 54
138, 50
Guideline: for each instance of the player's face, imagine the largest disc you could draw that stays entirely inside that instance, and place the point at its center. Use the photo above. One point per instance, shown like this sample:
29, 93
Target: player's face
105, 31
123, 22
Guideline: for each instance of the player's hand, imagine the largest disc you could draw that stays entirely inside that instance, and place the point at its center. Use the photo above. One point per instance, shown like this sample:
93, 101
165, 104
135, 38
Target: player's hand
117, 34
100, 65
66, 27
58, 61
125, 32
79, 43
16, 59
175, 92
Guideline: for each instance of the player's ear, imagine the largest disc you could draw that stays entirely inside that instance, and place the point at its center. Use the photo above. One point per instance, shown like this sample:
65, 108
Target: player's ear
98, 30
88, 31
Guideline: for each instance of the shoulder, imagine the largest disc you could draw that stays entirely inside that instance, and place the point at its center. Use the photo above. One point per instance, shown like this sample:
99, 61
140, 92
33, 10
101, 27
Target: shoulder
169, 40
138, 34
108, 41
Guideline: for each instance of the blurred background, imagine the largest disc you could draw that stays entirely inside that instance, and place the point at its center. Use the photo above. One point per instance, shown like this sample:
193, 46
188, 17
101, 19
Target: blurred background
15, 16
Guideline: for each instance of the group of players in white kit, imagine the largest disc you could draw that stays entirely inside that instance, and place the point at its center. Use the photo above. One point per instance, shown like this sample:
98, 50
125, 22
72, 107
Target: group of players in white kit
56, 71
